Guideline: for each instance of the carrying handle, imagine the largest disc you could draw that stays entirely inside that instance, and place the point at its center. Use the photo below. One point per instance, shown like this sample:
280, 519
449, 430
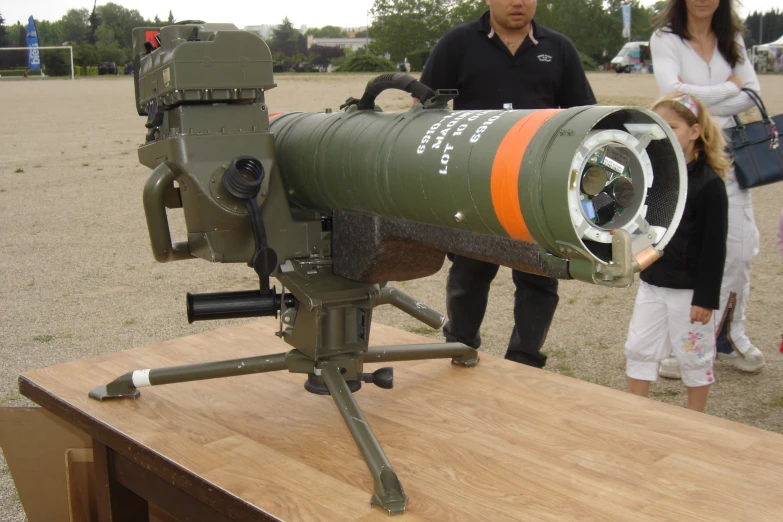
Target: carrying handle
160, 181
403, 82
430, 99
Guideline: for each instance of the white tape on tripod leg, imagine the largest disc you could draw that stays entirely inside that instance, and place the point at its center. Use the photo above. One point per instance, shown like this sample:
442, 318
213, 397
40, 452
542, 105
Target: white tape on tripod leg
141, 378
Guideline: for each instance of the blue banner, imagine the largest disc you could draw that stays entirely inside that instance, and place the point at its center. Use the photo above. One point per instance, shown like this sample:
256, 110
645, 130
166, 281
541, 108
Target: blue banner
626, 9
34, 55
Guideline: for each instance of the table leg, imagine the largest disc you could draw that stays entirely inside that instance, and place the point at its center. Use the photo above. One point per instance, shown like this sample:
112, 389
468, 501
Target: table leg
116, 503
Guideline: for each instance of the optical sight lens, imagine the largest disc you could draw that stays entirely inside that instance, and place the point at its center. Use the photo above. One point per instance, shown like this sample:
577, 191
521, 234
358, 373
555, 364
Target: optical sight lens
594, 180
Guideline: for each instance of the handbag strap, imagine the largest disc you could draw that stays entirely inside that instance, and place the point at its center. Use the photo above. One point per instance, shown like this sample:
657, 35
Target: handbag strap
754, 96
756, 99
774, 135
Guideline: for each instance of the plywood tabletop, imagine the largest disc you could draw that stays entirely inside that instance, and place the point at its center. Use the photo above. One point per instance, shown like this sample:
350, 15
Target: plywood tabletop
497, 442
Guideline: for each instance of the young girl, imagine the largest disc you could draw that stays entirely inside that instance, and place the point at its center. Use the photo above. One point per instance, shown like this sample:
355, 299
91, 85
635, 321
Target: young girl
678, 293
698, 50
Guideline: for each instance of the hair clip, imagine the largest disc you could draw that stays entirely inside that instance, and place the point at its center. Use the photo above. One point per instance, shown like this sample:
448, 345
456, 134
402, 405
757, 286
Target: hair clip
689, 103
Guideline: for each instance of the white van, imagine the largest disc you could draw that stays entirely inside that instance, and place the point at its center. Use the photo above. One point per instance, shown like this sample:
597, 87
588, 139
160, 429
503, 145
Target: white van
633, 56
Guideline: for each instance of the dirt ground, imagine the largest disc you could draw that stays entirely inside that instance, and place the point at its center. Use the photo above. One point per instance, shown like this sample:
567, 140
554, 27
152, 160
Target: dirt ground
78, 278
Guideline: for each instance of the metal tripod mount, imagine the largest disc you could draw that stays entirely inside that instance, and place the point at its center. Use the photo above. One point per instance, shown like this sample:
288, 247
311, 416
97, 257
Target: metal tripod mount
326, 319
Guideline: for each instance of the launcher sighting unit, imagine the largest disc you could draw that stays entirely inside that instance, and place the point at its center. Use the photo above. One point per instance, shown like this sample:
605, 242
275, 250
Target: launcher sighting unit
335, 204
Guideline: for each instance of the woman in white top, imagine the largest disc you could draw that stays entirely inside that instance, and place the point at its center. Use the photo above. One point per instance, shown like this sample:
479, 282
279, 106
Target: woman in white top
698, 50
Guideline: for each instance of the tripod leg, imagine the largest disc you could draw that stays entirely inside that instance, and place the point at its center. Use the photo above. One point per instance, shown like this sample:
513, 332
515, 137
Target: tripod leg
459, 353
127, 385
388, 490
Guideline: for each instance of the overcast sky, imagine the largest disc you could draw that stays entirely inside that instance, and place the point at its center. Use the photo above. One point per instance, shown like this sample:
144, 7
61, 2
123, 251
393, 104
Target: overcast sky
312, 13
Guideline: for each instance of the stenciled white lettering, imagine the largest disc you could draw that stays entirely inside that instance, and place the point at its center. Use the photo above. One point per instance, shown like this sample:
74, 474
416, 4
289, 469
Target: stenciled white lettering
445, 132
484, 126
444, 159
460, 129
428, 135
478, 115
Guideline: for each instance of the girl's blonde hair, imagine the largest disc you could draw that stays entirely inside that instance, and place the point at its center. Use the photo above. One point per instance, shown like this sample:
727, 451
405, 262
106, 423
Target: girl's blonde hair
711, 142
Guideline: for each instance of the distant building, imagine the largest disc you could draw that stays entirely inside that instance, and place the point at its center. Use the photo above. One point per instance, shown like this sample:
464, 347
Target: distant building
351, 31
345, 43
264, 30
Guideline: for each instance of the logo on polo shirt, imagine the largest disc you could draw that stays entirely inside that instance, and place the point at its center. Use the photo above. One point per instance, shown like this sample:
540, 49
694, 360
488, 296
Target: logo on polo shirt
544, 58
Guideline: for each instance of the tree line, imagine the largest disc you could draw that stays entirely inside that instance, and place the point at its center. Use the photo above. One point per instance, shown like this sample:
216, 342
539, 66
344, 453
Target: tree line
410, 28
407, 28
100, 35
763, 27
400, 28
290, 52
104, 35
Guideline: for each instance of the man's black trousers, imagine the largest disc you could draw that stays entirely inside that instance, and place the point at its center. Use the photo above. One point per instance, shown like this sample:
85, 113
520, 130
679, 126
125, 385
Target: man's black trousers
535, 301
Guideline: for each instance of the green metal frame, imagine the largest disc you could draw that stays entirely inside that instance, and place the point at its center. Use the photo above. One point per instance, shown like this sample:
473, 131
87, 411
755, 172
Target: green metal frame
329, 329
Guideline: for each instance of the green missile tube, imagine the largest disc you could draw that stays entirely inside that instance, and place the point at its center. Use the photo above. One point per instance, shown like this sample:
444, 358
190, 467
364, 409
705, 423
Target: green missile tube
566, 180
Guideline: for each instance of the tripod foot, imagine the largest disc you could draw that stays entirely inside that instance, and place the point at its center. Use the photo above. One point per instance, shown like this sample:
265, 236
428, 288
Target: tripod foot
467, 359
120, 388
393, 497
388, 492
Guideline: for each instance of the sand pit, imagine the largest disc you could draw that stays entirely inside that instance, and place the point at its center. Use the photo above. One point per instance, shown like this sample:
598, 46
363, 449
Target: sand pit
78, 278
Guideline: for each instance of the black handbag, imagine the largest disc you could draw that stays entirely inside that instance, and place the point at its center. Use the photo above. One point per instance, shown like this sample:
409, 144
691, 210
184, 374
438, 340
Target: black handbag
758, 157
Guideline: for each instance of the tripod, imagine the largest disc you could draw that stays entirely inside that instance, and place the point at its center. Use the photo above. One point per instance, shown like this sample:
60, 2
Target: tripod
326, 319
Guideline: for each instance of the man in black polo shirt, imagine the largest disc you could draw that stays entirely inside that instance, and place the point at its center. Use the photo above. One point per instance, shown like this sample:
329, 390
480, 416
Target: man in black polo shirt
505, 57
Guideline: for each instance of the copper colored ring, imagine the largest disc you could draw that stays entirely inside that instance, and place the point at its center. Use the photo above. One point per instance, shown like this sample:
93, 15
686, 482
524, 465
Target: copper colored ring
647, 257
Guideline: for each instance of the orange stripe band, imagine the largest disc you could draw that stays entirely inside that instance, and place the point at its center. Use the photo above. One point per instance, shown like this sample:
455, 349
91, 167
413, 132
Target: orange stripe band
275, 115
504, 180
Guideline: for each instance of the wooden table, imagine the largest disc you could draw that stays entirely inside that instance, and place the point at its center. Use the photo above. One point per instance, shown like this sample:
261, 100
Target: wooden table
498, 442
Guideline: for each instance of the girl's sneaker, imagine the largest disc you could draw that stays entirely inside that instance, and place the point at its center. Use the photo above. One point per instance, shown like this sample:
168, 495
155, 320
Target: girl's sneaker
670, 369
752, 361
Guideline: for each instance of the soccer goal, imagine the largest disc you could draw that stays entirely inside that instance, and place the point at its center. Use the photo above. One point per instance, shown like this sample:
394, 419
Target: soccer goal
70, 52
